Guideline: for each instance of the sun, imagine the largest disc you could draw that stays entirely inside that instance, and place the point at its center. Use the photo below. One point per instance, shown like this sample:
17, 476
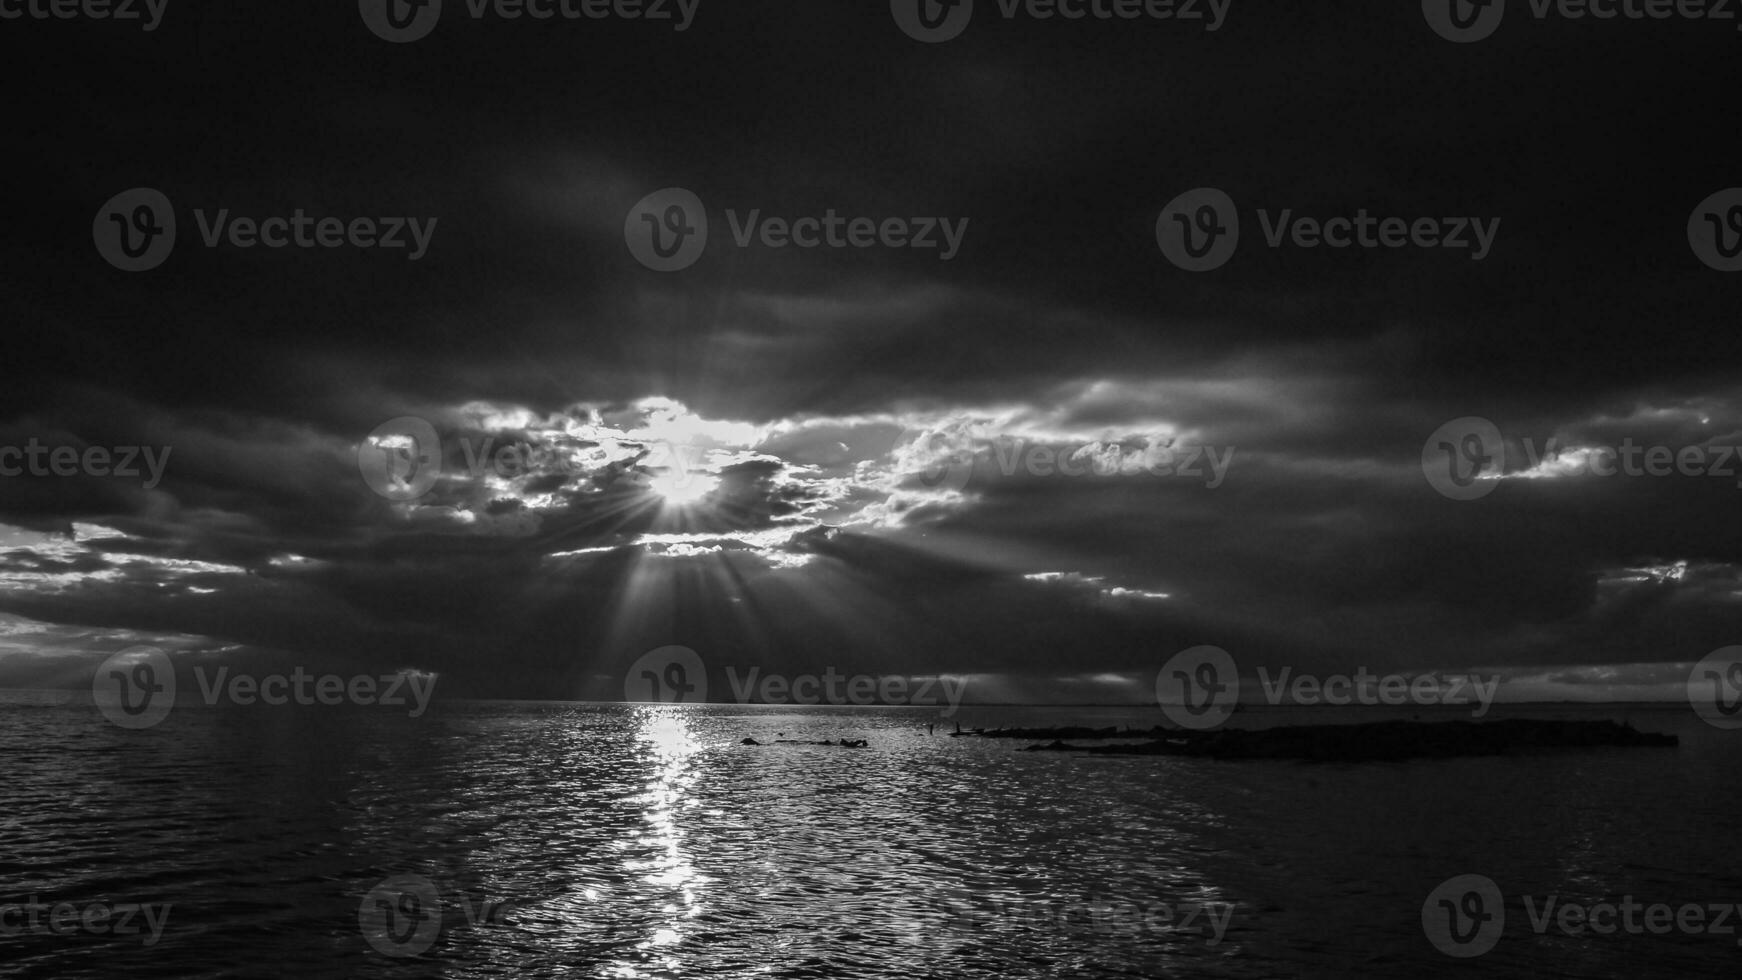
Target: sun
679, 488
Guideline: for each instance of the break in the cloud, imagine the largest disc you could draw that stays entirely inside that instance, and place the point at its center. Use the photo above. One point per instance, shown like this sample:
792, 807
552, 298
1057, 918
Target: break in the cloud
1089, 534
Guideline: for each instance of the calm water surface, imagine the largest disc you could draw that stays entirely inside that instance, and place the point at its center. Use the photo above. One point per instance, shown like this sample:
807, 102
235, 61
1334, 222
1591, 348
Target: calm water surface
569, 840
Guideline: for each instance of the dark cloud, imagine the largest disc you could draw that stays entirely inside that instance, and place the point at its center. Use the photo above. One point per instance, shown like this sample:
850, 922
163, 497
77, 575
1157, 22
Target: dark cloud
793, 525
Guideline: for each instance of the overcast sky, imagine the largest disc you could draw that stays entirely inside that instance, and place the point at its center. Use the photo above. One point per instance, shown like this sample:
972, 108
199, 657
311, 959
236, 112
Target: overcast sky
759, 455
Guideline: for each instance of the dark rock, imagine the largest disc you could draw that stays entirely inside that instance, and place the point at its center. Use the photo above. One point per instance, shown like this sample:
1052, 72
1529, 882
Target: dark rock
1384, 740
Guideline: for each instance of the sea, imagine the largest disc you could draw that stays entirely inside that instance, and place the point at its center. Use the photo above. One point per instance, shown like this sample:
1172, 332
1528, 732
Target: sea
544, 839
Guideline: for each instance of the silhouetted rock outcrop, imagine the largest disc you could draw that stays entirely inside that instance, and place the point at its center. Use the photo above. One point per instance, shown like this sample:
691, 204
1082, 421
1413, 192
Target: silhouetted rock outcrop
1382, 740
845, 743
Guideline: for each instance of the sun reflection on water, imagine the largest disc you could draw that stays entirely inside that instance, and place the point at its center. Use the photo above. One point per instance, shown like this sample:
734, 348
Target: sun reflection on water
667, 745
